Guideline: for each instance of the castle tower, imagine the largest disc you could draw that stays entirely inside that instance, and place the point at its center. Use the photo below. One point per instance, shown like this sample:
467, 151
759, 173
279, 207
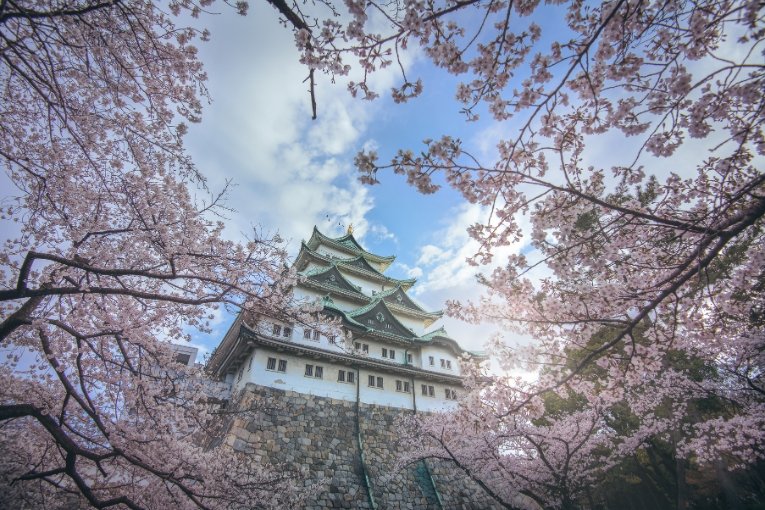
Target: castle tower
385, 356
328, 406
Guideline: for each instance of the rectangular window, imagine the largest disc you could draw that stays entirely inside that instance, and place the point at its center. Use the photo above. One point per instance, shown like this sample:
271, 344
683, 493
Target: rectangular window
341, 376
431, 360
450, 394
319, 373
309, 370
425, 390
379, 382
385, 352
282, 365
332, 339
365, 348
307, 334
351, 377
408, 358
406, 387
239, 377
399, 386
271, 364
372, 381
276, 330
357, 346
287, 332
448, 364
316, 334
431, 391
249, 364
443, 363
392, 354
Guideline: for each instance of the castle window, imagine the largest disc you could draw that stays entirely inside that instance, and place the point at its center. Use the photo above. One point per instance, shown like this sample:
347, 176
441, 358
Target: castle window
399, 385
379, 382
408, 357
361, 347
351, 376
406, 387
443, 363
392, 354
316, 335
341, 376
402, 386
271, 364
450, 394
431, 360
239, 377
372, 381
332, 339
314, 371
249, 364
385, 352
287, 332
431, 391
307, 334
448, 364
276, 330
428, 391
282, 365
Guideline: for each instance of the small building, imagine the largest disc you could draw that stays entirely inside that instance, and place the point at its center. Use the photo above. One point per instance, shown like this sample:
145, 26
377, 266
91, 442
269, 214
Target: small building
384, 356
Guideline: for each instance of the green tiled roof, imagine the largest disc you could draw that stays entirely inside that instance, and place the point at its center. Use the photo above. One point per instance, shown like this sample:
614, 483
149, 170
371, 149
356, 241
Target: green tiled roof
349, 243
349, 263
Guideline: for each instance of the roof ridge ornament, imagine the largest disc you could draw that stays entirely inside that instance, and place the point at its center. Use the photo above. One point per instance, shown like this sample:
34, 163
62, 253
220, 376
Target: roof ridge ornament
350, 229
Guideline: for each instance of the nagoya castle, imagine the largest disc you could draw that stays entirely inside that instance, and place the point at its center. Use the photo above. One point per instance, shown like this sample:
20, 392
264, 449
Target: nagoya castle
327, 406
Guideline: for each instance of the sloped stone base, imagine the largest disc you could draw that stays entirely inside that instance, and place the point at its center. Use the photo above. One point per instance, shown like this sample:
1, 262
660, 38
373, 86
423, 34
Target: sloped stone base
354, 467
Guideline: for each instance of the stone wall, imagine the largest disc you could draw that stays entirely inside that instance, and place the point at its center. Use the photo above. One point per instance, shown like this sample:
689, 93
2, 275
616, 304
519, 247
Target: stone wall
352, 462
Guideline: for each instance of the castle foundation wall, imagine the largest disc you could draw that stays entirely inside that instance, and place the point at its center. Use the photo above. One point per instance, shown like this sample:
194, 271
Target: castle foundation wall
347, 451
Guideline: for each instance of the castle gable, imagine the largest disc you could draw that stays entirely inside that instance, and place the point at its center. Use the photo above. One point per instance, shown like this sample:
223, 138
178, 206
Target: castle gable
333, 278
378, 317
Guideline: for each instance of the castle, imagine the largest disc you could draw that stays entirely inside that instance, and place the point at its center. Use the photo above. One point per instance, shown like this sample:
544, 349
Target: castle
327, 404
390, 360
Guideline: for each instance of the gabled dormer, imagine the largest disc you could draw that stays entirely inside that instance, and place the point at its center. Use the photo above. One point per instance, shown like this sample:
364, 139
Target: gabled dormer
378, 317
331, 277
400, 300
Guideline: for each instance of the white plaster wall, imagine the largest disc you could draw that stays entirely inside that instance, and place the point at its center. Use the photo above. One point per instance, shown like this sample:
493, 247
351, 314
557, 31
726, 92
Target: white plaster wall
323, 249
436, 403
375, 350
438, 354
294, 379
388, 396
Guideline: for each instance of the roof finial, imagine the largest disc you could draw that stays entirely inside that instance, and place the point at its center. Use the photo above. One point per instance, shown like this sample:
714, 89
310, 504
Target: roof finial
350, 228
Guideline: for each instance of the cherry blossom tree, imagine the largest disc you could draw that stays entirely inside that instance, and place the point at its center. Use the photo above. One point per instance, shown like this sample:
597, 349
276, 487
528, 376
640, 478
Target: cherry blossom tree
661, 234
113, 245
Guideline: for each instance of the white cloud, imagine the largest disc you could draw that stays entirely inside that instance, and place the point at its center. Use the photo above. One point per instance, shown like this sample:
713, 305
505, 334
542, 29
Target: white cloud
381, 233
291, 173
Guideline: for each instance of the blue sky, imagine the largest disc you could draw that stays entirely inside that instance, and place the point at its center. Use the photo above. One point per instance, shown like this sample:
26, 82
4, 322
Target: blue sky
292, 173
